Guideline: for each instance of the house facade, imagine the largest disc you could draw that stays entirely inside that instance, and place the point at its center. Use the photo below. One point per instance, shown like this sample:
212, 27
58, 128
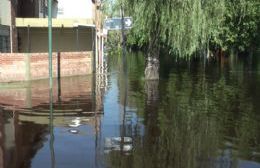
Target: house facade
5, 23
26, 24
73, 25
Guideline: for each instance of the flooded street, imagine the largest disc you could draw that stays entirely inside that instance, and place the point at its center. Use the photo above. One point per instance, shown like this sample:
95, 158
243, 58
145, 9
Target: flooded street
200, 114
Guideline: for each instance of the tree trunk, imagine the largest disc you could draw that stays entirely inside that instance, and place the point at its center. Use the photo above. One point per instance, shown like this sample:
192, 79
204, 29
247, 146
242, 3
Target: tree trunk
152, 61
152, 93
151, 111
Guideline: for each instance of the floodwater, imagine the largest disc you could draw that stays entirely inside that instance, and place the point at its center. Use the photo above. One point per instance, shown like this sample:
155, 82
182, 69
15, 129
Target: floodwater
200, 114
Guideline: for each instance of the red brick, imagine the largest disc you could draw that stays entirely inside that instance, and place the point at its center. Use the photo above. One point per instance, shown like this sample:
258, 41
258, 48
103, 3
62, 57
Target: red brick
13, 65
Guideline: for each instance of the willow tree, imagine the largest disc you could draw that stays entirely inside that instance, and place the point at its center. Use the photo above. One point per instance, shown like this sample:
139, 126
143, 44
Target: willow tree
182, 26
240, 30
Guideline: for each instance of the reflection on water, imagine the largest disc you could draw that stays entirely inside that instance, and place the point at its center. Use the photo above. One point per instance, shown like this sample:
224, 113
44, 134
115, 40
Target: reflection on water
199, 115
31, 137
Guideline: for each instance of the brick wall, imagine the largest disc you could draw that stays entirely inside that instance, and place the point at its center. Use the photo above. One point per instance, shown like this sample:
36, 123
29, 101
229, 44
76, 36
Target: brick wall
33, 66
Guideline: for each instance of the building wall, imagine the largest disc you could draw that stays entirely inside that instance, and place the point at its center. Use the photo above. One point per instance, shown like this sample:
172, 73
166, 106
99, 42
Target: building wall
27, 8
60, 9
5, 22
64, 40
23, 67
75, 9
5, 12
4, 39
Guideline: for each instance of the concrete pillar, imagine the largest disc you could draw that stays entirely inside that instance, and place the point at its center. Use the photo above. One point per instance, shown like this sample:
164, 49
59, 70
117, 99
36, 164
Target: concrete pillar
77, 39
13, 30
28, 40
27, 61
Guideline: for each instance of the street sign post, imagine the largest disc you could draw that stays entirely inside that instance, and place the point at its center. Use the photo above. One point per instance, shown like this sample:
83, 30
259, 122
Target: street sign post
50, 41
116, 23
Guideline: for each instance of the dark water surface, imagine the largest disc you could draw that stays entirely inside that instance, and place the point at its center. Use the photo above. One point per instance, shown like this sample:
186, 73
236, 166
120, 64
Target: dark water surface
201, 114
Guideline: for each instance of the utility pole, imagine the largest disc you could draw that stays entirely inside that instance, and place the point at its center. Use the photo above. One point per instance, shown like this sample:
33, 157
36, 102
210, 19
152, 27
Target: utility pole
50, 41
51, 144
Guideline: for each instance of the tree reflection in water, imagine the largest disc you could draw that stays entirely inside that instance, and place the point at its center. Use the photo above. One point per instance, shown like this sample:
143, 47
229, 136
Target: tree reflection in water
196, 116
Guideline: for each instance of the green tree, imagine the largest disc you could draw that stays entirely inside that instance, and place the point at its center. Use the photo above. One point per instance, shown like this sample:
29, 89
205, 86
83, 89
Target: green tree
240, 27
185, 27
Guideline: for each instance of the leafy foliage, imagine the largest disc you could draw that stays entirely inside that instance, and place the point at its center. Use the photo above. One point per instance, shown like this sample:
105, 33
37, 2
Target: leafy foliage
241, 25
190, 25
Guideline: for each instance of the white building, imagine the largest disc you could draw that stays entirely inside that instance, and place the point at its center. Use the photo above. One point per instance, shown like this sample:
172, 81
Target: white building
82, 9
